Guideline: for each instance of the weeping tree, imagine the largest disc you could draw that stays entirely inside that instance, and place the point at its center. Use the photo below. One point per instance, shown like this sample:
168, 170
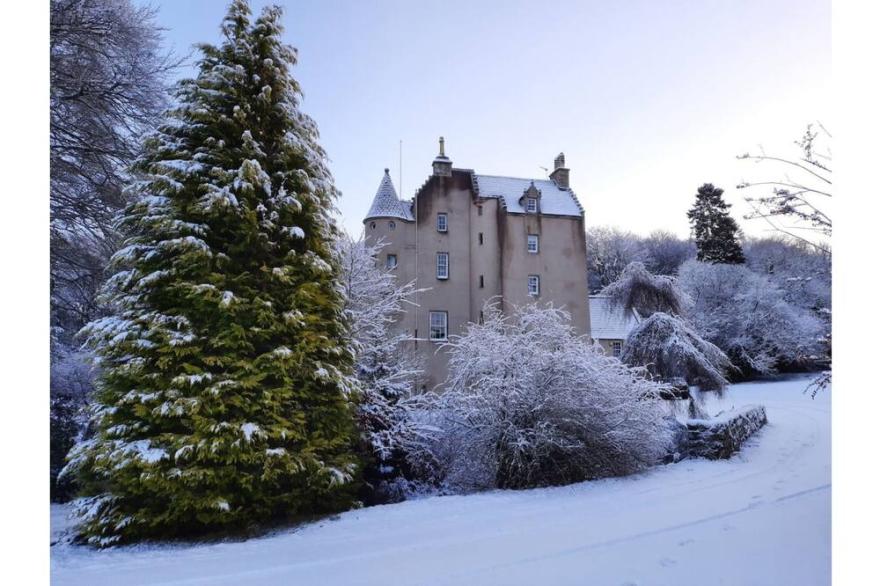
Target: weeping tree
225, 398
664, 343
670, 349
637, 289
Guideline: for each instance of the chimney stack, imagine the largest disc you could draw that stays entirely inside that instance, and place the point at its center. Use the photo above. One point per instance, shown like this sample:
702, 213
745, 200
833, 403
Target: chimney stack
442, 164
559, 176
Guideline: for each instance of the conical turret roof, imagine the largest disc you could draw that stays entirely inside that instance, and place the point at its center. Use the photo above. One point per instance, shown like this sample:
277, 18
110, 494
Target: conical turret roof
386, 204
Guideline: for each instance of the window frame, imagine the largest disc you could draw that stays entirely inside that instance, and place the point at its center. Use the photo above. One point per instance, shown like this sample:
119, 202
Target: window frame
537, 282
529, 243
445, 318
388, 265
616, 348
443, 255
445, 217
532, 205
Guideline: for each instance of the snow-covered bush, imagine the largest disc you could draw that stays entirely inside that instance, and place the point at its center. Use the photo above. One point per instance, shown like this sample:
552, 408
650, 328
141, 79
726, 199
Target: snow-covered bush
748, 317
385, 365
528, 403
71, 384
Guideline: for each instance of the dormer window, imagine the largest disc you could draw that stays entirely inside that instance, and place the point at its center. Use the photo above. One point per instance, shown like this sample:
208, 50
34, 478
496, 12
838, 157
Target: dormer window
529, 200
442, 223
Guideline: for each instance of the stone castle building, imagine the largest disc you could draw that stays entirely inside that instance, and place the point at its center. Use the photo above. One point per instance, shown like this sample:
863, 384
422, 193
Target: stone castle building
466, 238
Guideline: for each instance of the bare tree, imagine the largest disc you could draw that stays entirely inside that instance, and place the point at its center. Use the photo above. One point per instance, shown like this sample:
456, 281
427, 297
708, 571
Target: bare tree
609, 251
803, 197
798, 201
107, 71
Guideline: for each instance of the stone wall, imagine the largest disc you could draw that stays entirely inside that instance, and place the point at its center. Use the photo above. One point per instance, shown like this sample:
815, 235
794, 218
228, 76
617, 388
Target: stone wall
723, 436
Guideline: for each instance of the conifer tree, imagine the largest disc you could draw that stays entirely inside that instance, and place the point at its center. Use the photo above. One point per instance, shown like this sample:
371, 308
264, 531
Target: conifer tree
225, 394
713, 229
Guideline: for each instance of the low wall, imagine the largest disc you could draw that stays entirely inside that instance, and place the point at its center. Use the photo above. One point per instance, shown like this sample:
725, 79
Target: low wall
721, 437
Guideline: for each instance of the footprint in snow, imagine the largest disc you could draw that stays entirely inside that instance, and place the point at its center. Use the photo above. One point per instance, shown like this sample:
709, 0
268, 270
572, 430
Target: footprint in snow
685, 542
667, 562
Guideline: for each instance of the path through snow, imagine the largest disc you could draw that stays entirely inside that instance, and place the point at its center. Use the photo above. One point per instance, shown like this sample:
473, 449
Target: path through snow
763, 517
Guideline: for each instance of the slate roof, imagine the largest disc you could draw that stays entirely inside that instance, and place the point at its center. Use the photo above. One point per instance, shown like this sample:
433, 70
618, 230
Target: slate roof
386, 204
555, 201
610, 323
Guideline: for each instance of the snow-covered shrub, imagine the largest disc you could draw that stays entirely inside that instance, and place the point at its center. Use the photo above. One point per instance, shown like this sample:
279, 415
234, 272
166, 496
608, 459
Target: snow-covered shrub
71, 383
528, 403
748, 317
385, 366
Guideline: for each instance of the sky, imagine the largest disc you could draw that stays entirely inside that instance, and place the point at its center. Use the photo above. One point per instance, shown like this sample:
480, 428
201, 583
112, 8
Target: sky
648, 100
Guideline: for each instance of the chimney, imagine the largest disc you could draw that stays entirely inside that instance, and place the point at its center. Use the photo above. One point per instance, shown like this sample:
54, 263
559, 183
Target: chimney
442, 164
559, 176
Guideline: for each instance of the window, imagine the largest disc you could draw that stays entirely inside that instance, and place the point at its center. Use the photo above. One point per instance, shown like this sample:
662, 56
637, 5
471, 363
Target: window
533, 243
392, 225
531, 205
482, 319
441, 223
372, 225
479, 210
438, 324
391, 261
481, 281
481, 238
616, 347
442, 265
534, 285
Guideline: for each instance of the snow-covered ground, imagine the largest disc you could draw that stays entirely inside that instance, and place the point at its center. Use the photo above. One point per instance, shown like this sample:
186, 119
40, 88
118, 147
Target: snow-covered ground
763, 517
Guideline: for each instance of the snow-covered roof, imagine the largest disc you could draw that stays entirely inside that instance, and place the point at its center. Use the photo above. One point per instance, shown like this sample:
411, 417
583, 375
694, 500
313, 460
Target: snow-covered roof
386, 204
554, 200
608, 322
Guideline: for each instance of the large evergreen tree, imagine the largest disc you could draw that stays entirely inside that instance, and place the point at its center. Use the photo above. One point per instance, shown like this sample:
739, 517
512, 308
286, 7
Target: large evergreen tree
224, 398
713, 229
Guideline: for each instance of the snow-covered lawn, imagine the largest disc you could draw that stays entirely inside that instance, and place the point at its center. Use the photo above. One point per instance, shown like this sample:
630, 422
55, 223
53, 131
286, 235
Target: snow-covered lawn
764, 517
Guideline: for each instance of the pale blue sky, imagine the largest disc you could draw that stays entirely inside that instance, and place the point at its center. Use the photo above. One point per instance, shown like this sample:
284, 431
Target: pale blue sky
647, 99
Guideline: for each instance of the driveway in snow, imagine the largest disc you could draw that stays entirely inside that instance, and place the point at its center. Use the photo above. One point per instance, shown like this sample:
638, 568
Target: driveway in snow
763, 517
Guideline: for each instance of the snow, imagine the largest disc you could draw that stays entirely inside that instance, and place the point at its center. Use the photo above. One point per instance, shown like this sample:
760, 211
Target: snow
554, 200
762, 517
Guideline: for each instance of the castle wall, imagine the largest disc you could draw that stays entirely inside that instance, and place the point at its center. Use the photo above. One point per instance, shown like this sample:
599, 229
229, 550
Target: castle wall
560, 263
502, 260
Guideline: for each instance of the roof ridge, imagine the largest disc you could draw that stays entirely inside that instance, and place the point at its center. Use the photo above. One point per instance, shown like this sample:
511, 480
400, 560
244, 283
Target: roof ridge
517, 178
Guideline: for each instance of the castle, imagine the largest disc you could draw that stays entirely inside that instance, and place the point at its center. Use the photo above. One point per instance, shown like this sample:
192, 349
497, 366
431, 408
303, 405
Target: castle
466, 238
